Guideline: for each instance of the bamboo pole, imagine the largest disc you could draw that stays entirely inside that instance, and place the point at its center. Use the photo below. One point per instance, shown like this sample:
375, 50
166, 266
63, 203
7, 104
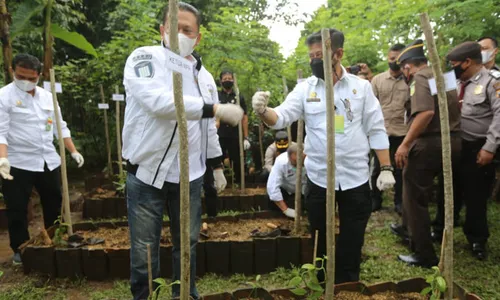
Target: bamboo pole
118, 136
330, 190
106, 132
183, 156
6, 43
261, 146
300, 158
66, 211
150, 272
240, 138
446, 151
285, 93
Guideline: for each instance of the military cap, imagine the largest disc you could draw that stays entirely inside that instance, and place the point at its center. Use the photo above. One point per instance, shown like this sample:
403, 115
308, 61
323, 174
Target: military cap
465, 50
281, 140
414, 50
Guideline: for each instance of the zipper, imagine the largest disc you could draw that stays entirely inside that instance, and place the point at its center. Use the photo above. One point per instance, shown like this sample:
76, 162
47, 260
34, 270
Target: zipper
165, 155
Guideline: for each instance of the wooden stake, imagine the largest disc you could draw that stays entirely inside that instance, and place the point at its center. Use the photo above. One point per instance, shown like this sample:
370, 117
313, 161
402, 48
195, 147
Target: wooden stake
66, 211
150, 272
315, 247
118, 136
300, 159
240, 137
183, 155
446, 151
6, 43
285, 93
106, 132
330, 190
261, 146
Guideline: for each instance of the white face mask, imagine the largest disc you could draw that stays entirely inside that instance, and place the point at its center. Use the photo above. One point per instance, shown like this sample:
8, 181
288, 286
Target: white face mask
487, 56
25, 85
186, 44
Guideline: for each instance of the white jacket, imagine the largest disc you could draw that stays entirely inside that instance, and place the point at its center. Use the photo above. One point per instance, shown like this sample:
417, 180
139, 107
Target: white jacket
283, 176
150, 133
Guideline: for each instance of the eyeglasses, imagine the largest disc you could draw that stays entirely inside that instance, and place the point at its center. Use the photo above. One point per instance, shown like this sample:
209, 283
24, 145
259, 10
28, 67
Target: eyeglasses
348, 111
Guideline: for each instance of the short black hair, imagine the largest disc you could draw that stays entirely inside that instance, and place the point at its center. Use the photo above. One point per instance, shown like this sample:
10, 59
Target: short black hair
183, 6
336, 36
224, 72
397, 47
27, 61
495, 42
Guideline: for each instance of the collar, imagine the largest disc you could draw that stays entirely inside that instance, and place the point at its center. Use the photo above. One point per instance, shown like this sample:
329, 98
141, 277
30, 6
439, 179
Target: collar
477, 76
389, 76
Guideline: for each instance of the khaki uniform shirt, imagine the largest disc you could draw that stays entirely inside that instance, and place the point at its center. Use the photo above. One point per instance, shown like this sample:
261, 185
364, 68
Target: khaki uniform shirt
481, 109
392, 94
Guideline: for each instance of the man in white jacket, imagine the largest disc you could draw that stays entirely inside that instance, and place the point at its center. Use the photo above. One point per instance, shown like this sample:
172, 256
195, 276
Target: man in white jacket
151, 147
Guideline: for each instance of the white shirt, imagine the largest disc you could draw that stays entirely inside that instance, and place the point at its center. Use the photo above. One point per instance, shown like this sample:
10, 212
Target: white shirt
351, 147
27, 127
283, 176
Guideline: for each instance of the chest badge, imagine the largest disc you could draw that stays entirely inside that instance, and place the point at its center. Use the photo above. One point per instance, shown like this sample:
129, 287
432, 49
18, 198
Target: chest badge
313, 97
478, 89
19, 103
48, 126
354, 91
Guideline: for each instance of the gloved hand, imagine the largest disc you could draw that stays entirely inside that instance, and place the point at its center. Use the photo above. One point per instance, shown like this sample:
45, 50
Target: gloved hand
289, 213
229, 113
385, 180
246, 144
220, 180
5, 169
78, 158
259, 102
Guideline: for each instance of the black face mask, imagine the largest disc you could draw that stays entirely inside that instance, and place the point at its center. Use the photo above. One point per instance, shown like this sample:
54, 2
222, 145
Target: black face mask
394, 66
227, 84
459, 71
317, 68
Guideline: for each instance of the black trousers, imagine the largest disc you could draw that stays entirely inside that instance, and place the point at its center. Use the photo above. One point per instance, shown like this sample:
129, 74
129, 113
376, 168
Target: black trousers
17, 194
438, 223
477, 182
210, 192
231, 148
354, 208
394, 143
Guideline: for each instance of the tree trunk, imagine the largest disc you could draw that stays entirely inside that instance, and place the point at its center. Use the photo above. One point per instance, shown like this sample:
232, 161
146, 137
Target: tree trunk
106, 132
183, 156
66, 211
300, 159
446, 150
240, 137
6, 44
118, 136
48, 40
330, 190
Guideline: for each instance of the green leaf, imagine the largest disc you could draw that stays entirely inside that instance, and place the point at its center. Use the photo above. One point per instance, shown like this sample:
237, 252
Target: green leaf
257, 278
160, 281
308, 267
22, 15
316, 295
441, 283
299, 291
295, 281
314, 286
429, 279
426, 291
73, 38
176, 282
434, 297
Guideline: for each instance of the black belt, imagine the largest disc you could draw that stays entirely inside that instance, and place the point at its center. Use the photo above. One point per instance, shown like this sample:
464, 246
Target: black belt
132, 169
436, 134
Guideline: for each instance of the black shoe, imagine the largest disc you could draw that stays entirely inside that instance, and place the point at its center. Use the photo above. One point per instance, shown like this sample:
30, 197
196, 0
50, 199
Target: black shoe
479, 251
414, 260
398, 209
401, 232
437, 237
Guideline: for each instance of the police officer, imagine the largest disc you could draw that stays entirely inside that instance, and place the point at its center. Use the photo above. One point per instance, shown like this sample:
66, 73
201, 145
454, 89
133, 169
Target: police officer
480, 138
151, 146
360, 113
228, 135
27, 155
280, 145
489, 51
420, 153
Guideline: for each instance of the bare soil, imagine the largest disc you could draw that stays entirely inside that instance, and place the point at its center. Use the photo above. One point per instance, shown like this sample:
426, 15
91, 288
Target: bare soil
246, 192
103, 194
379, 296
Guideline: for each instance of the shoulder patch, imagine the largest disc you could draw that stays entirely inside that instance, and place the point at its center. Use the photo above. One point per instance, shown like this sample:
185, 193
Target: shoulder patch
144, 69
142, 57
495, 74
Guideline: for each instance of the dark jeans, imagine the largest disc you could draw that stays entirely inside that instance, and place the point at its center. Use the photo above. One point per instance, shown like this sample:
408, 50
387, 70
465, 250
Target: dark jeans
231, 148
210, 192
145, 216
354, 208
394, 142
17, 194
476, 183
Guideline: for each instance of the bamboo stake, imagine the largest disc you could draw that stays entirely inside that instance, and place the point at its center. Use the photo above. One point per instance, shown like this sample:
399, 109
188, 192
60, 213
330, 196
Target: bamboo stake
240, 137
315, 247
261, 146
106, 132
330, 191
66, 211
285, 93
150, 272
446, 150
300, 159
183, 156
118, 136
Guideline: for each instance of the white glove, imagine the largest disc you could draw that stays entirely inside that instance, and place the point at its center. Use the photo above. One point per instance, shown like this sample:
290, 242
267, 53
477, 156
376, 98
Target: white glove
78, 158
220, 180
289, 213
385, 180
5, 169
246, 144
229, 113
259, 102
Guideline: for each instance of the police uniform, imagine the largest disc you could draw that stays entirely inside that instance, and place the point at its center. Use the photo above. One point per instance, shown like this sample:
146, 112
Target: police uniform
425, 156
480, 130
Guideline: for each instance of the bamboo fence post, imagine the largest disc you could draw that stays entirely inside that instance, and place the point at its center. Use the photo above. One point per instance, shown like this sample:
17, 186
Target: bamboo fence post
118, 136
66, 211
240, 137
300, 159
106, 132
330, 191
261, 146
285, 93
183, 156
446, 151
150, 272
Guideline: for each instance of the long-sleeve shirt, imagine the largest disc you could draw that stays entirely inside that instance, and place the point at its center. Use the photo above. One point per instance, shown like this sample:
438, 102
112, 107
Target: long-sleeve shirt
283, 176
28, 127
363, 128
